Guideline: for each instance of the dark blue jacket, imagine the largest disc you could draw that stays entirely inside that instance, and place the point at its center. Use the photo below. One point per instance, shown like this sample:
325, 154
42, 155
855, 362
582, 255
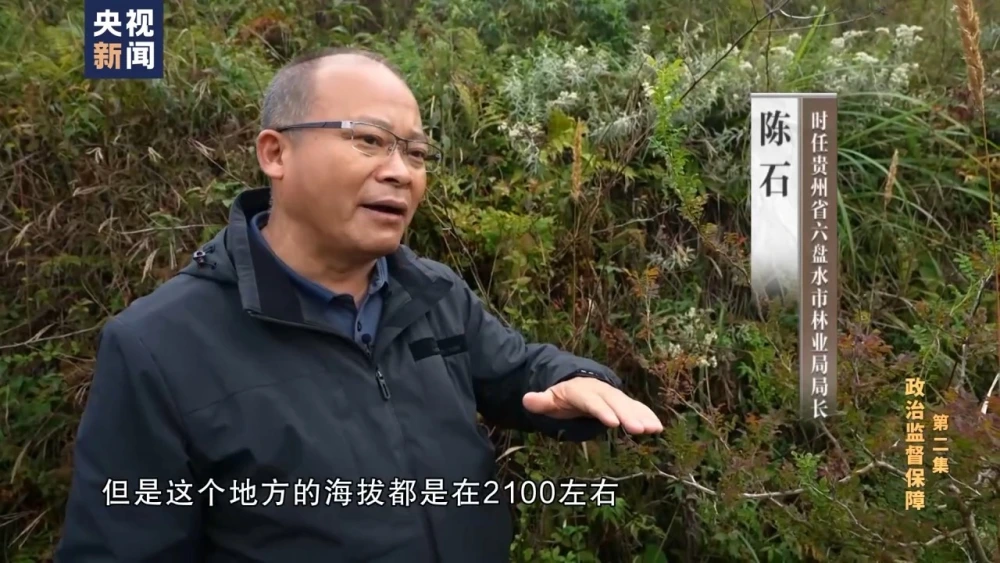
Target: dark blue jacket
225, 381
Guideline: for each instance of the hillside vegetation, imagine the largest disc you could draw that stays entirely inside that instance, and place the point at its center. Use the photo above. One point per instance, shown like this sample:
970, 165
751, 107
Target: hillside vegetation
595, 193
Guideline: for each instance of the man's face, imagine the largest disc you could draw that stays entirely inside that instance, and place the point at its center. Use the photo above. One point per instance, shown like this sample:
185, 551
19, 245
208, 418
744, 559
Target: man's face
356, 204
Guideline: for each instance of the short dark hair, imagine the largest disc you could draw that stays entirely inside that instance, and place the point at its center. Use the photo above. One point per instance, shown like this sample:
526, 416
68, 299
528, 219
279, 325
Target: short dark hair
289, 96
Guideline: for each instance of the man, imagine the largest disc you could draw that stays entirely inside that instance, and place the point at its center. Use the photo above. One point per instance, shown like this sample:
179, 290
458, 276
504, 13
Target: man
283, 391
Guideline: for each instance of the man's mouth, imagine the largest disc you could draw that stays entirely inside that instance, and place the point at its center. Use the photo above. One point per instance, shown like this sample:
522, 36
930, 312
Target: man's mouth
388, 207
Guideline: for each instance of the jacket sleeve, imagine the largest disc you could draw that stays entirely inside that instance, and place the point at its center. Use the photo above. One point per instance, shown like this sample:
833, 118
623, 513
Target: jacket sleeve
505, 368
130, 438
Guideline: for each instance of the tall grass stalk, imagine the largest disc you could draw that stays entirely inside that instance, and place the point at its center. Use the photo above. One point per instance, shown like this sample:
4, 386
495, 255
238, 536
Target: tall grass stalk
971, 32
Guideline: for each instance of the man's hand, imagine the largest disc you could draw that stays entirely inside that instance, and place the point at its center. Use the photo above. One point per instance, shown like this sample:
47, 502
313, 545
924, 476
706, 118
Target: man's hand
586, 396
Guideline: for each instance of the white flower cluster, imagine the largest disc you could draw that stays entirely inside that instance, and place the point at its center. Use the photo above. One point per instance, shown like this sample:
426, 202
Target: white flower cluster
648, 91
899, 77
864, 58
520, 131
522, 137
586, 81
550, 79
575, 81
731, 81
782, 54
885, 67
693, 337
906, 36
874, 60
679, 258
566, 100
888, 70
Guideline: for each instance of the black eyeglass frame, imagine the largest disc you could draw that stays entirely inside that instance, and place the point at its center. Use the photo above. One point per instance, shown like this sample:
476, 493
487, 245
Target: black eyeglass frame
350, 125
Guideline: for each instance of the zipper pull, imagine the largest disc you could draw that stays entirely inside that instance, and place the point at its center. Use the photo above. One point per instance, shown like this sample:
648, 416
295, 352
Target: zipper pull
366, 345
382, 385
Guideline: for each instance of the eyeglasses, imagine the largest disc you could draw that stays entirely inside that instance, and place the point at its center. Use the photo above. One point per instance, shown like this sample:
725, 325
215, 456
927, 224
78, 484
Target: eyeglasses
373, 140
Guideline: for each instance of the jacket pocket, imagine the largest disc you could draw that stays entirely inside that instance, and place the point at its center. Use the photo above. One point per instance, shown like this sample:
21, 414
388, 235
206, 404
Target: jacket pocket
445, 347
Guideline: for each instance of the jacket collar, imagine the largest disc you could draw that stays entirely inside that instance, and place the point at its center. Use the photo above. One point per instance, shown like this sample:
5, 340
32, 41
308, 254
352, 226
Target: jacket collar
267, 291
316, 292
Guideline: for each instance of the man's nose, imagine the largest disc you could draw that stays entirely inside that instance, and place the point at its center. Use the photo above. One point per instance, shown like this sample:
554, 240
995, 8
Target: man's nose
394, 169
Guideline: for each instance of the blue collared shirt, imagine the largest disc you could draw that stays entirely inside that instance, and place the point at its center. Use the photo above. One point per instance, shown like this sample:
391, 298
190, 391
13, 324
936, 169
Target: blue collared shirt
340, 310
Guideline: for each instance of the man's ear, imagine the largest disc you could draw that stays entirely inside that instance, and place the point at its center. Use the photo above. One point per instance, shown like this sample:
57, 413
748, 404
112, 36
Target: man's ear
272, 151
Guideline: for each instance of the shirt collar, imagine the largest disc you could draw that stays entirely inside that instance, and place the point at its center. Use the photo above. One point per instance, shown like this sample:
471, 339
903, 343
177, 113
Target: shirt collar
379, 280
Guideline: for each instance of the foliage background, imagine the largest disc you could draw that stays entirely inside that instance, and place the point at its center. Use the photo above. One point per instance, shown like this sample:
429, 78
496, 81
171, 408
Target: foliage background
595, 205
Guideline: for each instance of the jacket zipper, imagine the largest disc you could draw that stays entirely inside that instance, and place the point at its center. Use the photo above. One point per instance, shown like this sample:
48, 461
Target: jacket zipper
383, 386
383, 390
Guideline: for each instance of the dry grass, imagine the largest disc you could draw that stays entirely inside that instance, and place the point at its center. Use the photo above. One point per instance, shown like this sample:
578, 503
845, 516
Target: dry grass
968, 21
577, 162
890, 179
971, 32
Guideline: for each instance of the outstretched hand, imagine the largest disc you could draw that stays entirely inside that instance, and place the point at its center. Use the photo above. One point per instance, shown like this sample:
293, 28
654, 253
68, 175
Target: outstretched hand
586, 396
